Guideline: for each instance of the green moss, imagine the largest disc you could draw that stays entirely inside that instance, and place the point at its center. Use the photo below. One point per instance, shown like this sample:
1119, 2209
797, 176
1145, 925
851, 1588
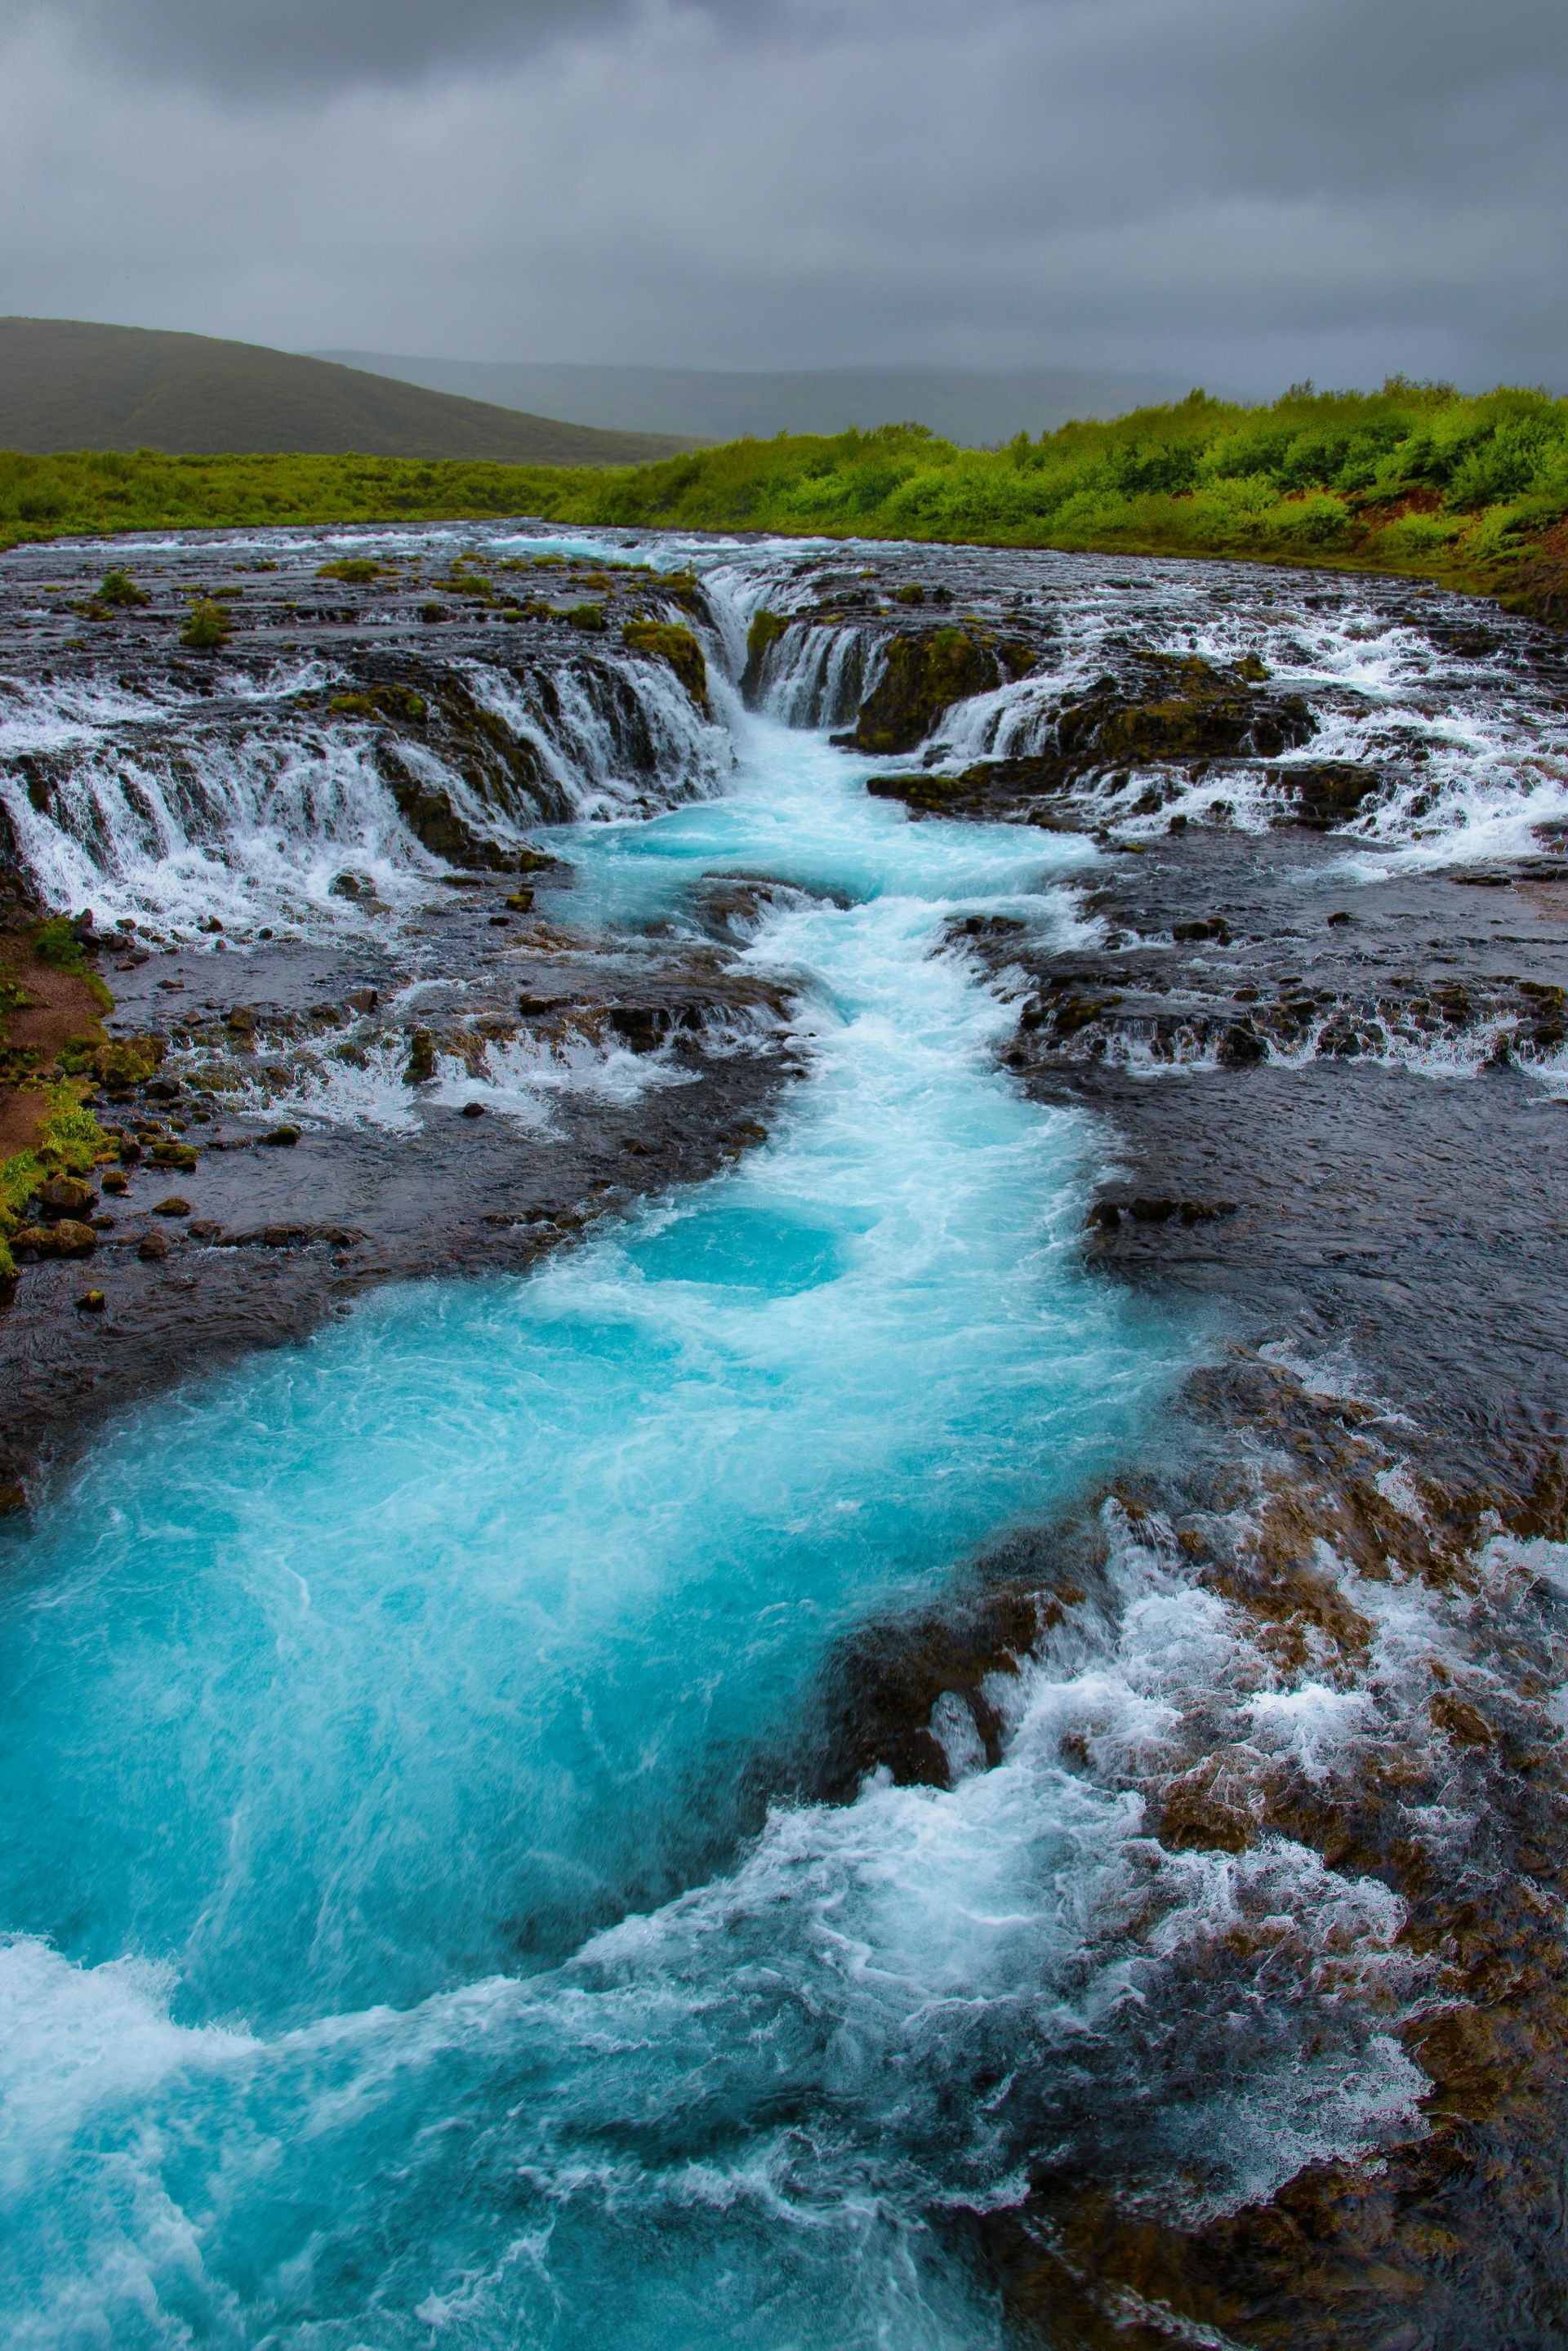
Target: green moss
766, 630
122, 1063
683, 588
56, 943
119, 592
393, 702
70, 1141
208, 627
677, 646
923, 677
354, 570
585, 616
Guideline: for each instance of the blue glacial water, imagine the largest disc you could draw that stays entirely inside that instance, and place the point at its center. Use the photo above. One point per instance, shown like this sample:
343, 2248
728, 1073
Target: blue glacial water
400, 1953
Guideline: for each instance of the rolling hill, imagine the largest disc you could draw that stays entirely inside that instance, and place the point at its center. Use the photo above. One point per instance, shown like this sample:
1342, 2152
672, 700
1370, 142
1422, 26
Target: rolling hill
66, 384
975, 409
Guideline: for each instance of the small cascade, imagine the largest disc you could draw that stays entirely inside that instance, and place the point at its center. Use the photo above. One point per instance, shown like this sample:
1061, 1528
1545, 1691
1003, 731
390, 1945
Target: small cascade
412, 1931
241, 807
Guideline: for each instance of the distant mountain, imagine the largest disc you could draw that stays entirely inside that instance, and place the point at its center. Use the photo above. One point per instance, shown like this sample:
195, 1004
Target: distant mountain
976, 410
68, 384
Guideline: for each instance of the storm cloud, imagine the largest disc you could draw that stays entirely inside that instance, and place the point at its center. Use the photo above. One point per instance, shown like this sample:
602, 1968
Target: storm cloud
1236, 191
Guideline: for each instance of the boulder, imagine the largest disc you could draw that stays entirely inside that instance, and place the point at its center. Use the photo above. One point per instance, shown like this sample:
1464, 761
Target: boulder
65, 1196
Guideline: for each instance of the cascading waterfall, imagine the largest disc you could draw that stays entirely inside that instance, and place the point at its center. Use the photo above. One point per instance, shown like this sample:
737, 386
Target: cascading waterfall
402, 1949
243, 807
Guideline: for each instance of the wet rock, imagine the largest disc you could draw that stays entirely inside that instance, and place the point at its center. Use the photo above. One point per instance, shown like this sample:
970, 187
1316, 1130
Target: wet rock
65, 1196
473, 1110
923, 677
180, 1155
1171, 707
282, 1138
152, 1248
677, 648
173, 1205
91, 1301
1324, 792
421, 1063
640, 1027
1241, 1046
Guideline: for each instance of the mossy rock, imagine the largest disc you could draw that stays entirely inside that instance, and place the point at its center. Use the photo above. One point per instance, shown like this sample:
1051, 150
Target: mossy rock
207, 629
120, 593
676, 646
1179, 709
683, 588
354, 570
56, 943
924, 795
765, 632
585, 616
922, 677
123, 1063
389, 702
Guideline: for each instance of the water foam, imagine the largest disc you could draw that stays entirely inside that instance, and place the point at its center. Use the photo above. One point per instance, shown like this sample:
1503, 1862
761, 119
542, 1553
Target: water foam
388, 1725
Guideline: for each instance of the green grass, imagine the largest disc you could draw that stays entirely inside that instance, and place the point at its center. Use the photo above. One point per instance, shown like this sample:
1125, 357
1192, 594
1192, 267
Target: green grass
1469, 491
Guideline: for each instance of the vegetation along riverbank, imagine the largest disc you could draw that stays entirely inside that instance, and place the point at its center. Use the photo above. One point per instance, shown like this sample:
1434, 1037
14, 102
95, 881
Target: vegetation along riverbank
1416, 478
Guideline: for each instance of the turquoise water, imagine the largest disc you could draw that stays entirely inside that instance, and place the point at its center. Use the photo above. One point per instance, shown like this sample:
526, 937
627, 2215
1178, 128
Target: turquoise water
400, 1951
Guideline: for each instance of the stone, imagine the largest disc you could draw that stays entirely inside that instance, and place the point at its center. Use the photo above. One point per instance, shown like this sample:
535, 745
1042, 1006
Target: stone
65, 1196
473, 1110
172, 1207
282, 1138
180, 1155
152, 1248
65, 1237
113, 1181
421, 1057
91, 1301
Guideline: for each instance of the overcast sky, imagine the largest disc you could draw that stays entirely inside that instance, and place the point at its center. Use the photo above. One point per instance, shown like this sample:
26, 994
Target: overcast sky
1232, 192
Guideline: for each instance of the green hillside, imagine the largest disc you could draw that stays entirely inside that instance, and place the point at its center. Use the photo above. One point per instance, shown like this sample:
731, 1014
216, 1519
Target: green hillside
69, 385
1416, 479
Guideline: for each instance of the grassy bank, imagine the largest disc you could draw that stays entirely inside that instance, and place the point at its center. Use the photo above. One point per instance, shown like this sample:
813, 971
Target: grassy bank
1471, 491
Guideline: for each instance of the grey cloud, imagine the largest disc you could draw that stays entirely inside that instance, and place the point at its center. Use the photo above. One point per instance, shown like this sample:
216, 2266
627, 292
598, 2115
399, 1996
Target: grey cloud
267, 48
1237, 190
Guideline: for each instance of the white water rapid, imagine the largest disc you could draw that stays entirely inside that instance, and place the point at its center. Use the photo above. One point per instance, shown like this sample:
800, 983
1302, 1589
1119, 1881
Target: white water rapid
402, 1951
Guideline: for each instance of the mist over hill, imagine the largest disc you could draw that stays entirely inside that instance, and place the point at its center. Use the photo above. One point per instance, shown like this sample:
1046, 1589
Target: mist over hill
976, 410
67, 384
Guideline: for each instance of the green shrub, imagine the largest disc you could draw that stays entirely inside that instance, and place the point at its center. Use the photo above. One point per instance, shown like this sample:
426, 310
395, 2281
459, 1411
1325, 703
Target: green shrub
56, 943
207, 627
1300, 479
121, 592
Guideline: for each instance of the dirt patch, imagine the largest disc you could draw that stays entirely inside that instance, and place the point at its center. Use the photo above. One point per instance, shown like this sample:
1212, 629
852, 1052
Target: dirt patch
59, 1007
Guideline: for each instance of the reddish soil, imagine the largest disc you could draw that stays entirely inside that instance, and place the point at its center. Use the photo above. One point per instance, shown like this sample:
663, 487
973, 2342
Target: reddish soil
63, 1006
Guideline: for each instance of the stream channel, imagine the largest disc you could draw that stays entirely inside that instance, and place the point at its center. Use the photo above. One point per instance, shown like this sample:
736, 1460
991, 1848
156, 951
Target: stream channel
413, 1940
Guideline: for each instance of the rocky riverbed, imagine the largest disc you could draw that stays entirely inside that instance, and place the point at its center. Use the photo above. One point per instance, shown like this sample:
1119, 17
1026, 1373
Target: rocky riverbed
1312, 1003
